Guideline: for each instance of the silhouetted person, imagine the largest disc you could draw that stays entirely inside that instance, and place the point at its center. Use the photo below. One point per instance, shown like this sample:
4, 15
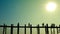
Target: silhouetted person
42, 24
4, 29
52, 28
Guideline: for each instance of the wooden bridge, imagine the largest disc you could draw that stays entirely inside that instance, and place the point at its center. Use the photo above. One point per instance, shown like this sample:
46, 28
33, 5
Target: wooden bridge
52, 27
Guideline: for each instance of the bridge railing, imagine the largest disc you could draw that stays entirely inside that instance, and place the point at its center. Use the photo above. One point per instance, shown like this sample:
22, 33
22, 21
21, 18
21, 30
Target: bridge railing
30, 27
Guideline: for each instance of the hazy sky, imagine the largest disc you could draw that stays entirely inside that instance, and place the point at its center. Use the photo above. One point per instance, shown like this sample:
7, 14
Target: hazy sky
28, 11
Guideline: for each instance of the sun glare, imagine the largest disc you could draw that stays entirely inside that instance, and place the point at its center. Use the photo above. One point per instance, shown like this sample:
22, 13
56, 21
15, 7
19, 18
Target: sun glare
51, 6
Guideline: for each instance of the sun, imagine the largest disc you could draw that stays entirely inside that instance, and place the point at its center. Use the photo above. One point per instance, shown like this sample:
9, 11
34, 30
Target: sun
51, 6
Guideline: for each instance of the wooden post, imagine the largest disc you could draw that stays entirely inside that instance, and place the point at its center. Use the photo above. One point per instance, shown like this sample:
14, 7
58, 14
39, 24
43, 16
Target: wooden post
25, 29
30, 28
5, 29
18, 28
57, 30
51, 30
54, 29
46, 29
11, 28
38, 30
